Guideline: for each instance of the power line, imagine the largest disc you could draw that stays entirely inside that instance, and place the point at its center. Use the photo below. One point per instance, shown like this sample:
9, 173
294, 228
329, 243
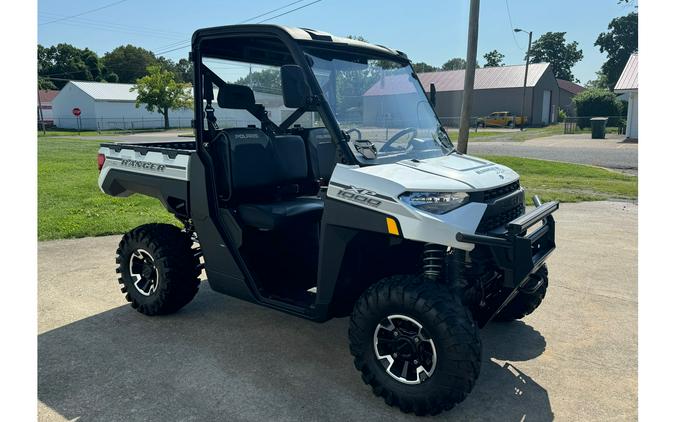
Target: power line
106, 27
88, 21
513, 34
271, 11
188, 42
292, 10
85, 12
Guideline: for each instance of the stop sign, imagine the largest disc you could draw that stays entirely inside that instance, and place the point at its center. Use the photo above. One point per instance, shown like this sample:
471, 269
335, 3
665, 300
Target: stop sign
77, 111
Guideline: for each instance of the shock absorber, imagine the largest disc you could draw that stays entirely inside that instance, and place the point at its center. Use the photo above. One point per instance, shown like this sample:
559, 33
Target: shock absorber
433, 261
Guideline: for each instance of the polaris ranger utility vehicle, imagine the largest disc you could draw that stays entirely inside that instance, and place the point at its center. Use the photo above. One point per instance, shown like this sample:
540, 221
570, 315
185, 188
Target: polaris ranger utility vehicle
321, 183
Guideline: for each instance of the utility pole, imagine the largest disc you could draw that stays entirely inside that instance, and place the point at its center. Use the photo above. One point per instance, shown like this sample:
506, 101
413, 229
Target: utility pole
527, 65
469, 77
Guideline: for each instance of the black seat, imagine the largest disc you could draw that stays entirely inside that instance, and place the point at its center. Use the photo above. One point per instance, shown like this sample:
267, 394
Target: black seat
281, 214
321, 151
265, 178
262, 177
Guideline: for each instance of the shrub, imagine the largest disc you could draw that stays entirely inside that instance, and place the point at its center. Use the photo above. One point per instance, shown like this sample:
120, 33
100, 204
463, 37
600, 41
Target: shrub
597, 102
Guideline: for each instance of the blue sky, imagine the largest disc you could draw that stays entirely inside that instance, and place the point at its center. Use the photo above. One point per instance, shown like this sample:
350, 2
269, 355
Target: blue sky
427, 30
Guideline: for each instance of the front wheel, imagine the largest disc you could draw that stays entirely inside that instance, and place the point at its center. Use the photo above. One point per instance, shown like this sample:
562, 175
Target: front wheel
415, 344
159, 270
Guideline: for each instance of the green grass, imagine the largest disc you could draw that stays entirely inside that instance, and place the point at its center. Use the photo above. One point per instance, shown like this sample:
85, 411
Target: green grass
70, 203
566, 182
74, 133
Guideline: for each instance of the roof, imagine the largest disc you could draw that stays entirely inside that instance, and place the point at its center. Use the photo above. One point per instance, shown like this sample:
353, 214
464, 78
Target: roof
570, 86
486, 77
107, 91
628, 81
47, 95
304, 35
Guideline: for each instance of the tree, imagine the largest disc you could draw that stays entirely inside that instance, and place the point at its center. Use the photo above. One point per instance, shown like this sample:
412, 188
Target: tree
129, 62
599, 82
159, 91
619, 43
552, 48
65, 61
454, 64
493, 59
421, 67
265, 80
596, 102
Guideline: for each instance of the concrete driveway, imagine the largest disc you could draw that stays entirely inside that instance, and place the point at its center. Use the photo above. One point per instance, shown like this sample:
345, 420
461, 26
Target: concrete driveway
223, 359
611, 153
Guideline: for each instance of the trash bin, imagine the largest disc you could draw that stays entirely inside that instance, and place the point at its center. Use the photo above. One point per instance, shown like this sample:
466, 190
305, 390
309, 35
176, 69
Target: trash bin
598, 125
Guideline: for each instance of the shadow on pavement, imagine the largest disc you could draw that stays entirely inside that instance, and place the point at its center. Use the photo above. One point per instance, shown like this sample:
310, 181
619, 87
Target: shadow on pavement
224, 359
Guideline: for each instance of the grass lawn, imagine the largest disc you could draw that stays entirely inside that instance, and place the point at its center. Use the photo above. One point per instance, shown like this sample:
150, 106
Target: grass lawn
71, 205
566, 182
74, 133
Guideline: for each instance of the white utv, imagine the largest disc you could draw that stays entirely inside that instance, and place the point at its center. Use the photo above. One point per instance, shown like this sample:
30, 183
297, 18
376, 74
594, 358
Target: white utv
321, 183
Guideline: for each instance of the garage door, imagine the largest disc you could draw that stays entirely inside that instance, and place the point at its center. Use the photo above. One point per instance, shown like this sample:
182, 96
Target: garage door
546, 108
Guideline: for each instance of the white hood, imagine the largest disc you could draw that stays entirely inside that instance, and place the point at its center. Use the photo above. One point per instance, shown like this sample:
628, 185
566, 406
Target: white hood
447, 173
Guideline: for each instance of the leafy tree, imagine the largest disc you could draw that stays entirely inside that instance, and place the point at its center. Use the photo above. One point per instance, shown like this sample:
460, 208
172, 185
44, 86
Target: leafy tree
69, 62
454, 64
619, 43
493, 59
265, 80
129, 62
599, 82
159, 91
184, 70
552, 48
421, 67
596, 102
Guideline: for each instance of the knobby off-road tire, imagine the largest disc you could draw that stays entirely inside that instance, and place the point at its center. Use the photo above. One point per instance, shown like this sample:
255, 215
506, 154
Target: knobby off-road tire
525, 303
158, 269
442, 320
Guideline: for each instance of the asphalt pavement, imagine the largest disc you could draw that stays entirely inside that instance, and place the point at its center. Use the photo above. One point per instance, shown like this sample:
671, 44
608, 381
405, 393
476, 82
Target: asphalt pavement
611, 152
220, 358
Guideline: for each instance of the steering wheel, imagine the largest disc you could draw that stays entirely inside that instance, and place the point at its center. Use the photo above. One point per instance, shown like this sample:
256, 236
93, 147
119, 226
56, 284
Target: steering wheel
387, 147
358, 132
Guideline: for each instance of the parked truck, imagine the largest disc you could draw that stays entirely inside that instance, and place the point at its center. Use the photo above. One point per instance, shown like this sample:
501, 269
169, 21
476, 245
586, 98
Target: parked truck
385, 223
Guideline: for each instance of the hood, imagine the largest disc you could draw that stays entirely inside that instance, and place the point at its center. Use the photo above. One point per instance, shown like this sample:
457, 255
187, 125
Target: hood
476, 173
454, 172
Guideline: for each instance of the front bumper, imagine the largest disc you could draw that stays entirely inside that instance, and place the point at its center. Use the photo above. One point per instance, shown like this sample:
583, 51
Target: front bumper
517, 252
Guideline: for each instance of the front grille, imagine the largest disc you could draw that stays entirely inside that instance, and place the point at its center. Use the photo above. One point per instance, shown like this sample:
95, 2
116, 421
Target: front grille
491, 194
491, 222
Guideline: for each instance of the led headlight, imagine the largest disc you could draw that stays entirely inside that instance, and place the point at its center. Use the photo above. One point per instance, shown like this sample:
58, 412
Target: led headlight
435, 202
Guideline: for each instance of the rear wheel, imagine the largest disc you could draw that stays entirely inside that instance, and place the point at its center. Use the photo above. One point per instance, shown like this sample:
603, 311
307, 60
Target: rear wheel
159, 270
528, 299
415, 344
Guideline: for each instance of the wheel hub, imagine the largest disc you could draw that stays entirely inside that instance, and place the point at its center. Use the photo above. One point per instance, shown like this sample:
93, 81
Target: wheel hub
143, 272
405, 349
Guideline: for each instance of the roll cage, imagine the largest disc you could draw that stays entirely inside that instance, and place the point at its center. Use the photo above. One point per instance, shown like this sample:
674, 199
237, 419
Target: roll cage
278, 46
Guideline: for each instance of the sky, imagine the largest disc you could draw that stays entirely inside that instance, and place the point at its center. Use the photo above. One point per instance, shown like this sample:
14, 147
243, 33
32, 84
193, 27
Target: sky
426, 30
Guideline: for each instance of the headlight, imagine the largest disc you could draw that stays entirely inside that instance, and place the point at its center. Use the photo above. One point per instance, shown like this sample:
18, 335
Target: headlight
435, 202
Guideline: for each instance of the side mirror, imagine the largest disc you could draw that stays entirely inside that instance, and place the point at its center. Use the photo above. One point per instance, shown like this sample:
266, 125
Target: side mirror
294, 86
432, 95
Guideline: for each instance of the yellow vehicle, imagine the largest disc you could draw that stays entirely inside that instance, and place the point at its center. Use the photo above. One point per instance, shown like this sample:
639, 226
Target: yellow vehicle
500, 119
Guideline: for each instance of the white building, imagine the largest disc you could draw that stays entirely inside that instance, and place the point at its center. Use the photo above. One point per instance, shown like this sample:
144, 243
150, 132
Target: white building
628, 84
113, 106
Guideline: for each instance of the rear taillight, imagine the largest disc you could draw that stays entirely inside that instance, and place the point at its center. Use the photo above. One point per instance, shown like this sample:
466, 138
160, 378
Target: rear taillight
101, 161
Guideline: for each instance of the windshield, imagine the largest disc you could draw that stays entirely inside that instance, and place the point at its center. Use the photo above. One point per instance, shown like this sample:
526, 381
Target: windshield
380, 104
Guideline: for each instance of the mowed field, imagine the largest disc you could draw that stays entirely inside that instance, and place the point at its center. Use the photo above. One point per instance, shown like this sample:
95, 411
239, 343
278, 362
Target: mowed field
70, 204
